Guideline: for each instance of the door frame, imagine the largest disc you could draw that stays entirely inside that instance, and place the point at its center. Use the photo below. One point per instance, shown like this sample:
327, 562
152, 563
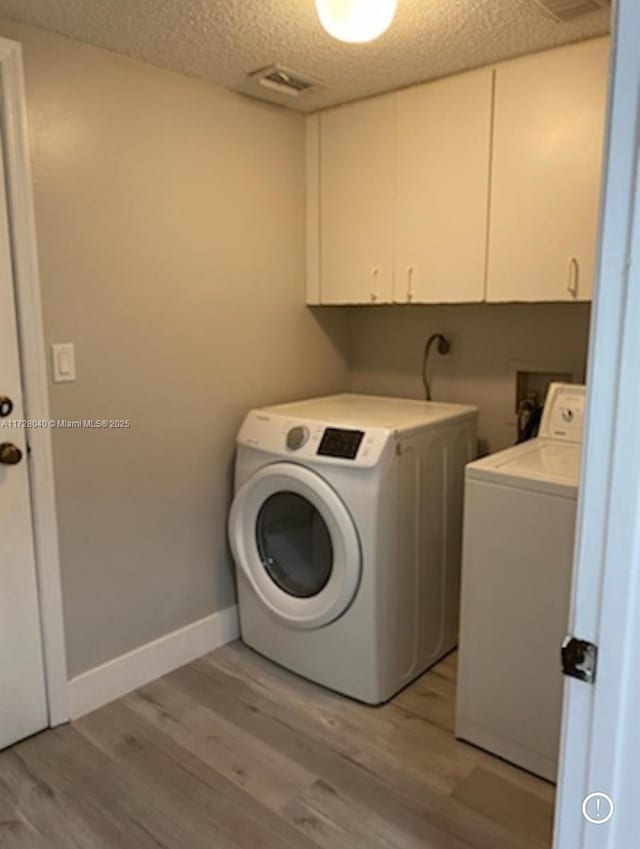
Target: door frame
26, 279
600, 745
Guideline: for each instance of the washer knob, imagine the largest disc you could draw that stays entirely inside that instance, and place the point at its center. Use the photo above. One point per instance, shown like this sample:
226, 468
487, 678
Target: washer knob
297, 437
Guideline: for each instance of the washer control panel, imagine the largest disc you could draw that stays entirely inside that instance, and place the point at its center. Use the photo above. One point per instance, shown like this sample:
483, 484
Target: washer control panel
563, 417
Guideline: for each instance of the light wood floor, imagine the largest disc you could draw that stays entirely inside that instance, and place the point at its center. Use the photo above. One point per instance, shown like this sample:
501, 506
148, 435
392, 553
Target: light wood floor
232, 752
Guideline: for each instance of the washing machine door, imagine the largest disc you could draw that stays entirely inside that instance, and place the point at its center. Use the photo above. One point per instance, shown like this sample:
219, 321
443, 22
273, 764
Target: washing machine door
296, 544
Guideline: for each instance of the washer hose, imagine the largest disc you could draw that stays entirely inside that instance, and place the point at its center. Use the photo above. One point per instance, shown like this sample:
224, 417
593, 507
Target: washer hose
444, 347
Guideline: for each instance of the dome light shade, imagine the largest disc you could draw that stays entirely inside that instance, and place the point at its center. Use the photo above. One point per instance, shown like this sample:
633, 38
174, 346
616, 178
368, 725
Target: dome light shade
356, 21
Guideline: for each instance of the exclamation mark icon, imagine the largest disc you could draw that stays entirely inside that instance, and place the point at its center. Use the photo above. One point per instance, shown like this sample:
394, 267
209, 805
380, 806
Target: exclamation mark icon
598, 808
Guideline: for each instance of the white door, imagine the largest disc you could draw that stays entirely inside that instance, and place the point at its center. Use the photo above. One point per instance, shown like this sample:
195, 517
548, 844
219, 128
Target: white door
600, 749
357, 186
545, 185
23, 706
296, 544
444, 149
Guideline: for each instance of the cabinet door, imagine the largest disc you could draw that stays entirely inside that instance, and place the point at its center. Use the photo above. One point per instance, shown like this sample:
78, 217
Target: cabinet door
444, 149
547, 151
357, 177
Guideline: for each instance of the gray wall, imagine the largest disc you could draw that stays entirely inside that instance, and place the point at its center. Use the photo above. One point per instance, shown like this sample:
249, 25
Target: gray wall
170, 217
490, 343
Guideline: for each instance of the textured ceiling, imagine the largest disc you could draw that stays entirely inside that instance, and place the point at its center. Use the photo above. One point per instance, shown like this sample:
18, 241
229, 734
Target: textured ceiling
221, 40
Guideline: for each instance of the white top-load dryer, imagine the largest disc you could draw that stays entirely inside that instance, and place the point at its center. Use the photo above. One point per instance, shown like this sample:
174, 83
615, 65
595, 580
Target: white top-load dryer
346, 532
519, 523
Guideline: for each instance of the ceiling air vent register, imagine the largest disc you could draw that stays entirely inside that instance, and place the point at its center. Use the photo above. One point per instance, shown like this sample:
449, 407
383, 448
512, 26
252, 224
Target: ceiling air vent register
567, 10
282, 80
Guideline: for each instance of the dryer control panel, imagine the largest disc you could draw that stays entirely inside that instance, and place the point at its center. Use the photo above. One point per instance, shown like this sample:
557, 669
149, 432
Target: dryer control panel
311, 441
337, 442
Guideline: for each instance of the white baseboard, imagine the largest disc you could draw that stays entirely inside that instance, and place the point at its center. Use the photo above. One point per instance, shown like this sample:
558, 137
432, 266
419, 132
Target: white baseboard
120, 676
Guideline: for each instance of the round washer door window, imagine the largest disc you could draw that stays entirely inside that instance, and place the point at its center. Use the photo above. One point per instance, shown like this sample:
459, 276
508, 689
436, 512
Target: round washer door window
295, 542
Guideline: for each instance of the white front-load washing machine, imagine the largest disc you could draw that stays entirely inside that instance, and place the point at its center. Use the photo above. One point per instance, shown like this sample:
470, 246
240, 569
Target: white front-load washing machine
520, 510
346, 532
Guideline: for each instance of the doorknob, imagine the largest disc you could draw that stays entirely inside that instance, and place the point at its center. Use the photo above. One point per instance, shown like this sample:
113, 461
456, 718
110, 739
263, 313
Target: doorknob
10, 455
6, 406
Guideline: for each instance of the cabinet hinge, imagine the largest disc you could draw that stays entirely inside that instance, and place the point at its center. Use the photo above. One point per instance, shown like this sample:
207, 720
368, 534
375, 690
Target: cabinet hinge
579, 659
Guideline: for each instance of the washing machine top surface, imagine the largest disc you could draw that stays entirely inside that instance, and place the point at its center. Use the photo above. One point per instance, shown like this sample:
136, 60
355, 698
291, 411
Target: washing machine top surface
540, 464
549, 463
345, 429
395, 414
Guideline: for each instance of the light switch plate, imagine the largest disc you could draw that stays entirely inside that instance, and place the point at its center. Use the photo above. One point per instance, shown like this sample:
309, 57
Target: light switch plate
64, 362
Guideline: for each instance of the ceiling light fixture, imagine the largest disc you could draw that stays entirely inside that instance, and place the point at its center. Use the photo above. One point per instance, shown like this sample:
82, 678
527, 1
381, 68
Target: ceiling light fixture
356, 21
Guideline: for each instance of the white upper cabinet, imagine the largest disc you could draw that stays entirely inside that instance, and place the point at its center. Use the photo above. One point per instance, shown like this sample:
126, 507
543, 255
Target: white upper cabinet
356, 187
547, 151
483, 186
444, 150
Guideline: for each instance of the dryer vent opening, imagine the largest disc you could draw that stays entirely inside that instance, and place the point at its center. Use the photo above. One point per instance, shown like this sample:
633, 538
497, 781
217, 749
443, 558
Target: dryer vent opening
567, 10
282, 80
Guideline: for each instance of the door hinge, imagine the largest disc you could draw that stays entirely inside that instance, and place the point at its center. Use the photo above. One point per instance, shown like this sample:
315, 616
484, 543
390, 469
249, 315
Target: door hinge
579, 659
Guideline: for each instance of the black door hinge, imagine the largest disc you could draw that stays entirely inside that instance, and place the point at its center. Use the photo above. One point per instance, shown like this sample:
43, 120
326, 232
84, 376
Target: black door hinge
579, 659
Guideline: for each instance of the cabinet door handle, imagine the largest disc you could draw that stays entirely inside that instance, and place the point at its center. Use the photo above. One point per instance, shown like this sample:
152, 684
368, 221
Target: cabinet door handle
410, 271
574, 275
375, 273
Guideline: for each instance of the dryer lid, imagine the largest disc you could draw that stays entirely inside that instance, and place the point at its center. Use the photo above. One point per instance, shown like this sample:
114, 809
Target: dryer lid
395, 415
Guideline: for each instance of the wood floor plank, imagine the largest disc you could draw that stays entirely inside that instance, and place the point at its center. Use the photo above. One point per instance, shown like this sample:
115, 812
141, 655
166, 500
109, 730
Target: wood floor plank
415, 754
233, 752
261, 771
337, 822
56, 817
505, 802
203, 795
428, 749
375, 782
107, 807
431, 697
410, 748
441, 760
16, 832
